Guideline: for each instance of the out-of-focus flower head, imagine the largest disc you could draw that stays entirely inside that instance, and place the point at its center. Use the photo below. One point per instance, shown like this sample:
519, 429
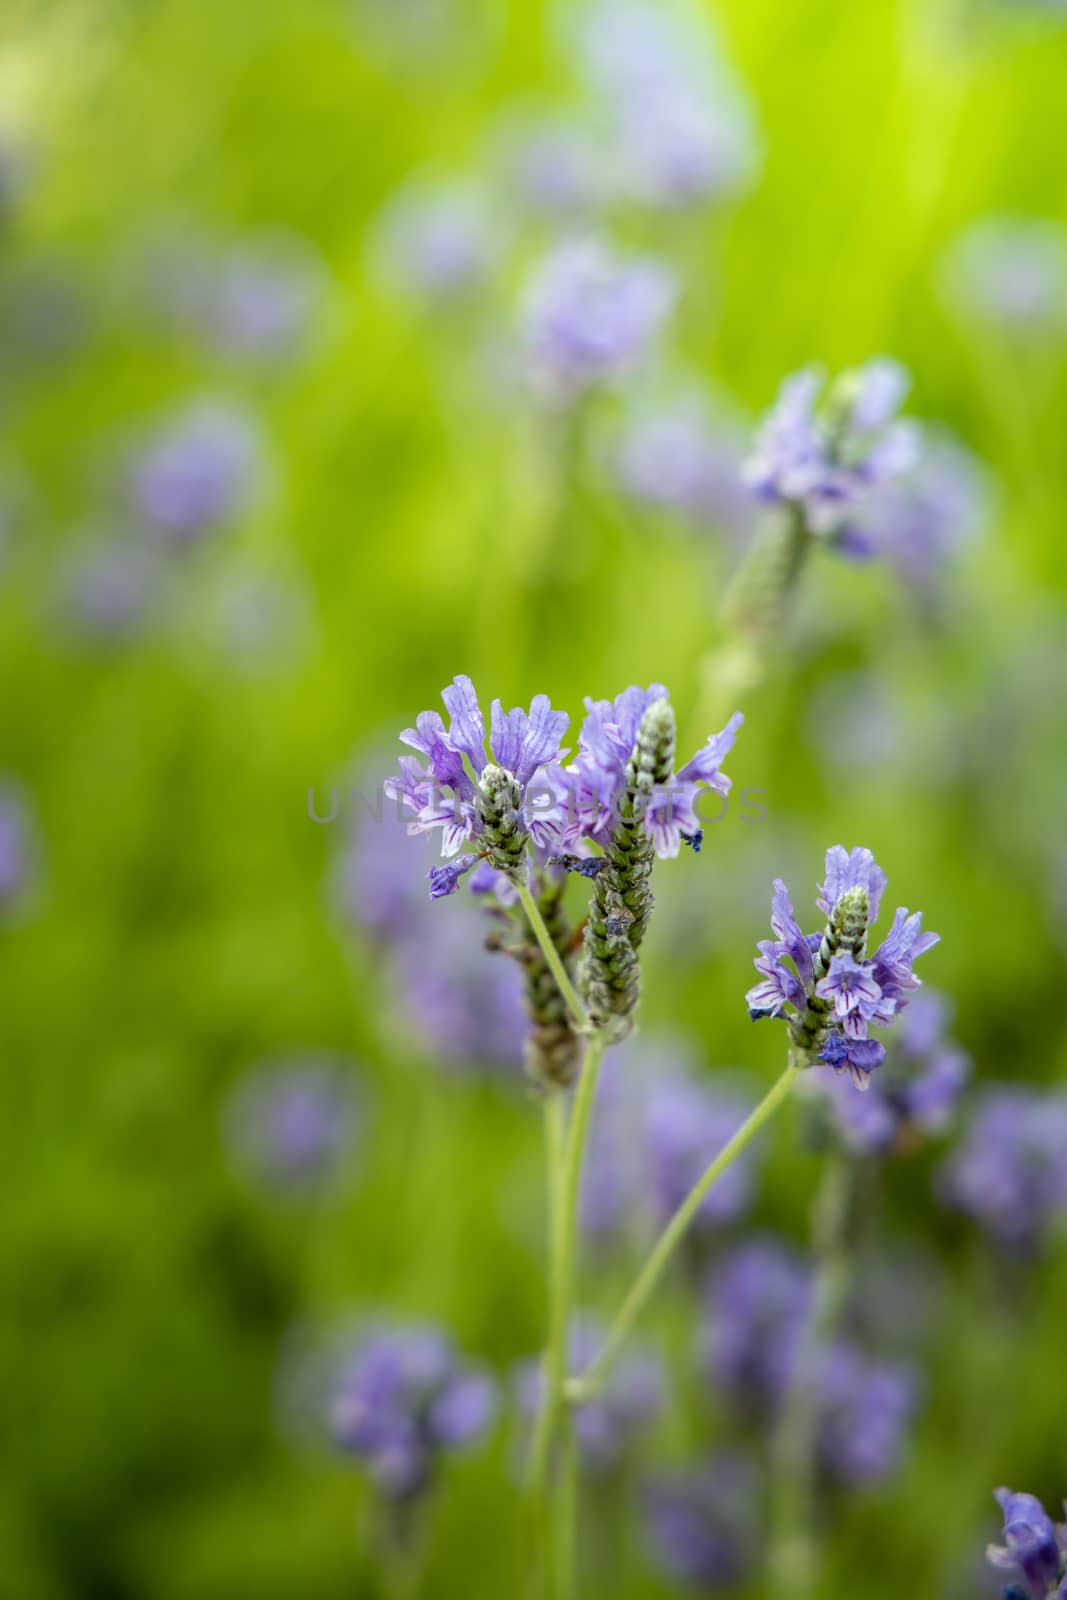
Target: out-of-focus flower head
438, 241
1008, 1170
824, 985
702, 1525
554, 163
686, 460
292, 1123
590, 315
196, 473
1011, 272
866, 1408
608, 1426
758, 1303
915, 1092
679, 128
829, 458
1034, 1548
18, 844
107, 590
921, 518
265, 295
402, 1399
657, 1126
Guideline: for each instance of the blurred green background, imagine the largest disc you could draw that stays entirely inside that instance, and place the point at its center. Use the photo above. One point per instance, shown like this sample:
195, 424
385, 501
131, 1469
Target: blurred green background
179, 925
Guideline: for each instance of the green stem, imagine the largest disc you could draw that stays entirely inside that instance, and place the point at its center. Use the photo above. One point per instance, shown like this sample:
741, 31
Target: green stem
552, 955
584, 1387
567, 1516
540, 1450
794, 1459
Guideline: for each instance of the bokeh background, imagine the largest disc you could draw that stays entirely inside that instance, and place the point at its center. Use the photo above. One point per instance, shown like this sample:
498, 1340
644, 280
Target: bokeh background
273, 469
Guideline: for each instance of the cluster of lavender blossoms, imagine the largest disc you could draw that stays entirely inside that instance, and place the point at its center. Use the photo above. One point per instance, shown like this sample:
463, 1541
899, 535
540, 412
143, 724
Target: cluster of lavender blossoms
828, 462
403, 1399
590, 315
1034, 1549
760, 1302
1008, 1170
831, 993
607, 816
292, 1124
196, 474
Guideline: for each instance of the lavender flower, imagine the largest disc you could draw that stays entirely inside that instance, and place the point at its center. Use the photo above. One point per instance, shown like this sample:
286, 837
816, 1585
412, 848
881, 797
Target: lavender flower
402, 1400
264, 296
829, 463
1011, 272
684, 462
758, 1306
1034, 1547
292, 1123
107, 590
830, 993
919, 520
1008, 1171
678, 127
438, 241
623, 794
469, 797
555, 164
915, 1092
17, 845
196, 474
608, 1427
657, 1126
702, 1525
590, 316
866, 1407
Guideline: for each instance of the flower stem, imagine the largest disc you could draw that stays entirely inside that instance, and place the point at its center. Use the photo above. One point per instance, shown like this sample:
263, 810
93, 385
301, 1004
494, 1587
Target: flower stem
587, 1385
552, 955
555, 1144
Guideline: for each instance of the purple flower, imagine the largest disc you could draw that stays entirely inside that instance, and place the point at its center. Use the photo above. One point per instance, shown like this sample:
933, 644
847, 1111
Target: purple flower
108, 589
17, 849
438, 241
1034, 1547
596, 783
702, 1525
264, 296
920, 519
866, 1408
465, 1007
830, 462
684, 462
450, 792
445, 880
292, 1124
556, 165
1010, 271
195, 474
590, 315
402, 1399
609, 1426
657, 1126
1008, 1171
824, 985
913, 1095
758, 1305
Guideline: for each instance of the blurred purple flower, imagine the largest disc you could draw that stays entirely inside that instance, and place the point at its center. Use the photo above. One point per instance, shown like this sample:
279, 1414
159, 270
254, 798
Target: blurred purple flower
866, 1409
657, 1126
921, 518
1011, 271
555, 164
703, 1525
196, 473
17, 845
831, 461
291, 1123
758, 1303
265, 295
689, 463
590, 315
401, 1399
108, 589
439, 242
1009, 1171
